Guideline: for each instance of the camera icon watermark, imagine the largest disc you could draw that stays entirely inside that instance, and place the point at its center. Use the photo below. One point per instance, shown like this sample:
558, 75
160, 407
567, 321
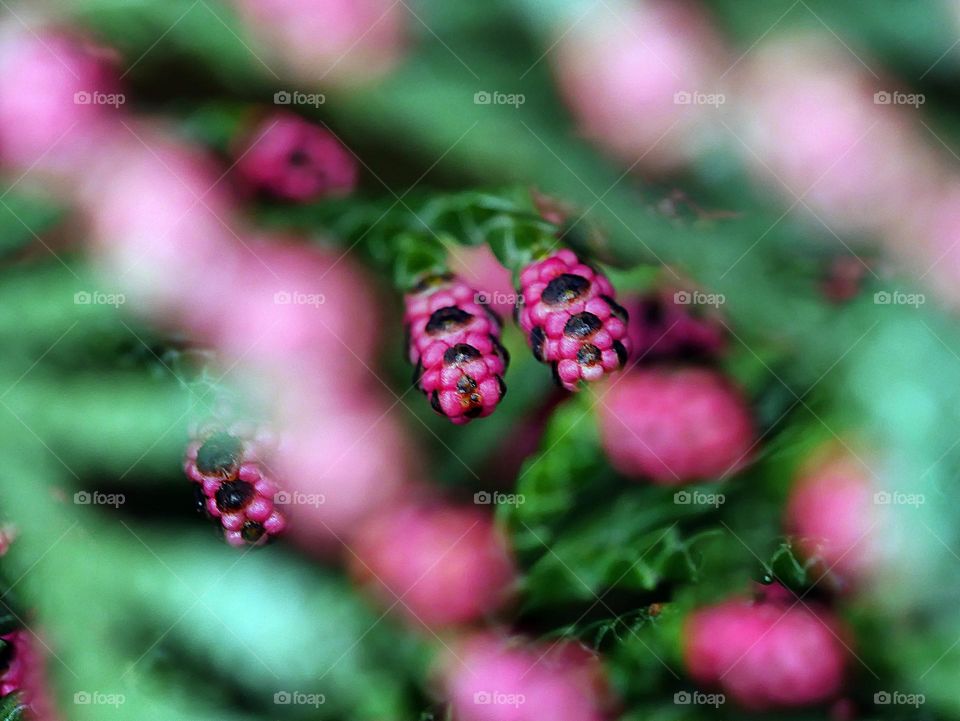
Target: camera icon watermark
697, 698
97, 698
483, 297
84, 297
696, 297
896, 698
295, 498
295, 97
698, 498
96, 498
483, 97
95, 97
498, 698
695, 97
898, 498
298, 698
886, 97
486, 498
285, 297
897, 297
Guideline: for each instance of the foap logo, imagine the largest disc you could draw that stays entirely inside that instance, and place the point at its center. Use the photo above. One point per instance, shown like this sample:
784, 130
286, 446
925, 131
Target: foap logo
696, 297
95, 97
484, 297
283, 297
886, 97
698, 498
96, 498
498, 698
898, 498
897, 297
687, 97
286, 498
298, 698
483, 97
896, 698
295, 97
97, 698
485, 498
83, 297
696, 698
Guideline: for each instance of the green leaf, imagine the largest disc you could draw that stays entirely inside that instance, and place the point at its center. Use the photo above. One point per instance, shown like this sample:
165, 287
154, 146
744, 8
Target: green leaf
12, 708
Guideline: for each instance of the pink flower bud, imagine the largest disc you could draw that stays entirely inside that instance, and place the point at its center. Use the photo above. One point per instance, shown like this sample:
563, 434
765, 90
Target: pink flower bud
447, 565
832, 513
288, 157
328, 41
772, 653
674, 426
488, 678
58, 97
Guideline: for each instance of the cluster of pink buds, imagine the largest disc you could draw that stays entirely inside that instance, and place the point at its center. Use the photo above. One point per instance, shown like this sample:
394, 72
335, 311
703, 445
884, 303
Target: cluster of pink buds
455, 346
232, 483
571, 319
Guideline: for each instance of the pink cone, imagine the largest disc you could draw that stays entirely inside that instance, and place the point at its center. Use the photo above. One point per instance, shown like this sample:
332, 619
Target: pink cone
489, 678
662, 327
449, 565
288, 157
675, 426
59, 98
571, 319
233, 484
323, 42
767, 654
832, 515
455, 348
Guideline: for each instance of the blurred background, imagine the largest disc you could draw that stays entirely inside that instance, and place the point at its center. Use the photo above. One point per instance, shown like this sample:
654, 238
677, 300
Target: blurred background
783, 173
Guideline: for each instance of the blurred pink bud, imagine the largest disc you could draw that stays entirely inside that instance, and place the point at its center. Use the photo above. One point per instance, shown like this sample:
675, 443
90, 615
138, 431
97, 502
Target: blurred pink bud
771, 653
831, 512
328, 41
344, 456
291, 158
8, 533
640, 78
664, 324
479, 268
447, 565
297, 311
674, 426
26, 673
929, 245
160, 225
59, 97
822, 129
489, 678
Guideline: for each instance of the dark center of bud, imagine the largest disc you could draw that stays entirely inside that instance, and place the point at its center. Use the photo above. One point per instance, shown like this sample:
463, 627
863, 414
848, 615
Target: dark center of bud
444, 320
219, 455
620, 312
582, 325
537, 338
233, 496
252, 531
460, 353
588, 355
466, 384
7, 653
299, 158
564, 289
200, 500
